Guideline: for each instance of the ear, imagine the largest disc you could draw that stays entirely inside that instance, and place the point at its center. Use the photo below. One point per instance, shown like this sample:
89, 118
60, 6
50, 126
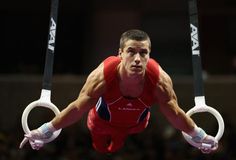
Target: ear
119, 52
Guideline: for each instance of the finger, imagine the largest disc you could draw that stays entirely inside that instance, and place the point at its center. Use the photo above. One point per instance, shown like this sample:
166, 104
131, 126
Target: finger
24, 141
36, 144
206, 151
29, 137
33, 145
216, 144
214, 148
205, 145
39, 143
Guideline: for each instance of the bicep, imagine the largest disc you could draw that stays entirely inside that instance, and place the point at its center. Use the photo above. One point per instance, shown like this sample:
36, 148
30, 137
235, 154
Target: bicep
92, 89
166, 96
169, 105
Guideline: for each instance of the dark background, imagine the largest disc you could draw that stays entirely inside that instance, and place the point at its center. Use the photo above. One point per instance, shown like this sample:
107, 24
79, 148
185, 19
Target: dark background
87, 32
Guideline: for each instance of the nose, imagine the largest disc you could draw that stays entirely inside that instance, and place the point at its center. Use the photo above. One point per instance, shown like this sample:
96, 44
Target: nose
137, 58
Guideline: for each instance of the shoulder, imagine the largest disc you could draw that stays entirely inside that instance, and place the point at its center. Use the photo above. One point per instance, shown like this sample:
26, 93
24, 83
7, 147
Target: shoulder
99, 76
153, 71
111, 59
95, 83
110, 68
164, 77
111, 62
164, 86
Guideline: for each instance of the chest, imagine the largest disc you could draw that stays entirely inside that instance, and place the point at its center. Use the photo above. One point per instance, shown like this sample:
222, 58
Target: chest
131, 91
125, 101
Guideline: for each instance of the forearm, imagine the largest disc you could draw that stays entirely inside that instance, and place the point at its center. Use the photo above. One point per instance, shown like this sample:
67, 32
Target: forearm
177, 117
68, 116
182, 122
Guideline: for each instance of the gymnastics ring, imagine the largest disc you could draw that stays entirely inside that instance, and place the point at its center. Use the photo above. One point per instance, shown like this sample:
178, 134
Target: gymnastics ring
44, 101
220, 121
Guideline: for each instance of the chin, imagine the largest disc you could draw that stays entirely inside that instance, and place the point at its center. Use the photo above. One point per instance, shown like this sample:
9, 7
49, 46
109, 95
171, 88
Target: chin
135, 73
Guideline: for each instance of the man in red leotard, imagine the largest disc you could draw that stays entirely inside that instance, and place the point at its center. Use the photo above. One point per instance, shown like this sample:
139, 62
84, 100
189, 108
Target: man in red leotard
118, 95
116, 114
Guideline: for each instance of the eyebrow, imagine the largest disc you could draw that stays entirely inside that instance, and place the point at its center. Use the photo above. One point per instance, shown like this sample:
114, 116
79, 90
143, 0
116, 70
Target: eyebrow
142, 50
130, 48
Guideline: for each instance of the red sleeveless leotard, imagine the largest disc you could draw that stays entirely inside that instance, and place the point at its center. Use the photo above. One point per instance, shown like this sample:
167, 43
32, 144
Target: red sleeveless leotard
114, 110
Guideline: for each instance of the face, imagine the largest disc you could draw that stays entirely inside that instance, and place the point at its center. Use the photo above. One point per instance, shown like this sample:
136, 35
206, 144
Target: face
134, 57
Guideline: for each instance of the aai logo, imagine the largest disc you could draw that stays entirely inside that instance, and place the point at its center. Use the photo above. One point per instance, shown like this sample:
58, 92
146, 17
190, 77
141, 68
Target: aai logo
194, 39
52, 35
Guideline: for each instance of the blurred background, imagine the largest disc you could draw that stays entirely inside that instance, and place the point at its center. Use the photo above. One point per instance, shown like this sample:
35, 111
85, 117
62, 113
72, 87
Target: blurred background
89, 31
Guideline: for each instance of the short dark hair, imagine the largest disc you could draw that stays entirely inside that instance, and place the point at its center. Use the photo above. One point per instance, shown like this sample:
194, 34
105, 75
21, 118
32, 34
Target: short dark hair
134, 34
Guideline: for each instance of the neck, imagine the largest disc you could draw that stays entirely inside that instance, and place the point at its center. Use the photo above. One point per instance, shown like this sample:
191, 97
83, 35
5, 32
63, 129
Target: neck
130, 85
129, 79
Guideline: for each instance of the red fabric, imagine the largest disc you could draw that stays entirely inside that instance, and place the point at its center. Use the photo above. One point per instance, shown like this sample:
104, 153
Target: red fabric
105, 137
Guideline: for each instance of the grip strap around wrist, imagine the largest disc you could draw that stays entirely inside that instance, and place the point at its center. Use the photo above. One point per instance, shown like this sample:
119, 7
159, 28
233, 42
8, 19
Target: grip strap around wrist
198, 134
47, 129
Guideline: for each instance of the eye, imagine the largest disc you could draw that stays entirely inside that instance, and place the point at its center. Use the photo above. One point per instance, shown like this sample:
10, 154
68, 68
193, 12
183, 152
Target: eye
143, 53
131, 52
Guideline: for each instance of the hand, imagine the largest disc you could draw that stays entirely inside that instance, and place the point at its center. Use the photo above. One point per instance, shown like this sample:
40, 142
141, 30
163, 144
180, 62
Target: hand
36, 137
208, 142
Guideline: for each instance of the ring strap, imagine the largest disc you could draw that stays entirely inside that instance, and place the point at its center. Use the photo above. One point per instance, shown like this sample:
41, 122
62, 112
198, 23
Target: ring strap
48, 68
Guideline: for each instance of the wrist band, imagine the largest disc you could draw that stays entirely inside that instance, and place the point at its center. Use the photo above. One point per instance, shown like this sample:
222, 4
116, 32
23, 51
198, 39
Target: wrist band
47, 129
198, 134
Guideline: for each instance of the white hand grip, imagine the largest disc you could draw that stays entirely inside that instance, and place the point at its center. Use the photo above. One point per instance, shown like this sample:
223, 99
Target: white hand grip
39, 103
217, 116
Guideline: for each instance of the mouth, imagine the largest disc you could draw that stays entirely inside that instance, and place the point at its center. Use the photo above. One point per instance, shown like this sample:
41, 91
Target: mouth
136, 67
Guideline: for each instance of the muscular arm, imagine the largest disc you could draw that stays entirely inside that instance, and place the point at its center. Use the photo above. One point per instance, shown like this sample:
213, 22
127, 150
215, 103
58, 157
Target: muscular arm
167, 100
89, 94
